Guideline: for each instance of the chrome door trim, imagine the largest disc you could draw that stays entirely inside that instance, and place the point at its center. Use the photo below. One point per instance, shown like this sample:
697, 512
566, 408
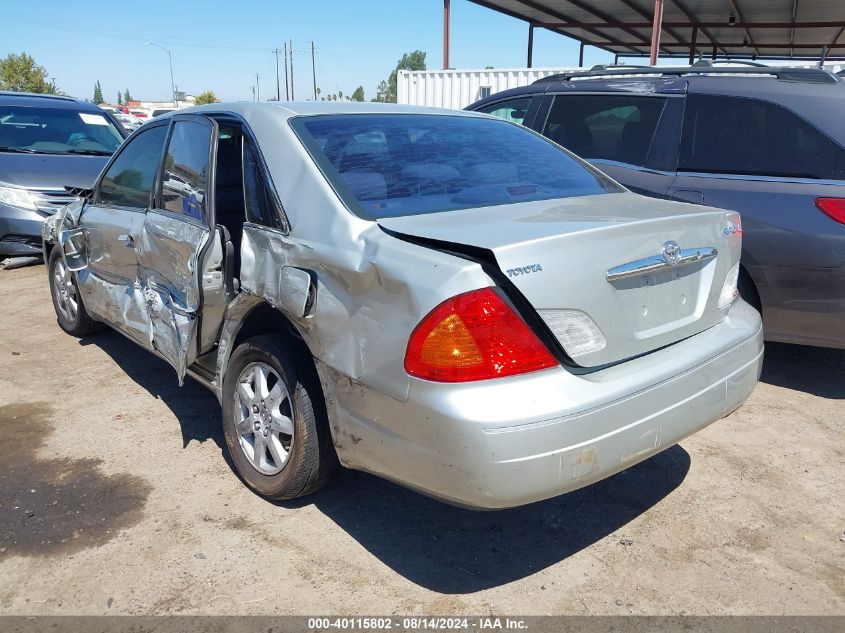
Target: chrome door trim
759, 178
657, 263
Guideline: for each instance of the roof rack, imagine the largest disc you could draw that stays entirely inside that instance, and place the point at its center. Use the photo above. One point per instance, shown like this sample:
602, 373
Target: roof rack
810, 75
12, 93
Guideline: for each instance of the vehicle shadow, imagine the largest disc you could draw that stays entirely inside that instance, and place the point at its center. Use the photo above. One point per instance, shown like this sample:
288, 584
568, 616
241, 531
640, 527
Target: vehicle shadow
815, 370
194, 406
455, 551
443, 548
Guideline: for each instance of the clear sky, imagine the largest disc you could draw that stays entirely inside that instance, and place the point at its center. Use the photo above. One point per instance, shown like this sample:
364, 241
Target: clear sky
221, 45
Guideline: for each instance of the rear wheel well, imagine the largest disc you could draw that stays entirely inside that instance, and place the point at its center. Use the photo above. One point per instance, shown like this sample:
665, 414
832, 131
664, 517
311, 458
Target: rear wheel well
265, 319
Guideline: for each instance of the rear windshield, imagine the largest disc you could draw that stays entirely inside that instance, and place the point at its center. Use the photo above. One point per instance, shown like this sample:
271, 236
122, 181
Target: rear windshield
410, 164
34, 130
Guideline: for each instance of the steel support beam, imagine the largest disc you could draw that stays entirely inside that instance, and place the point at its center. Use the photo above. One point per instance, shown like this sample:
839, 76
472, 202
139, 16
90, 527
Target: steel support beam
691, 17
655, 31
565, 18
581, 55
684, 25
735, 6
446, 34
530, 45
692, 45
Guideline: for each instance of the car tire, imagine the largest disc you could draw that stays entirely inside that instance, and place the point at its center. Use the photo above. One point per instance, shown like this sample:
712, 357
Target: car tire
253, 418
67, 302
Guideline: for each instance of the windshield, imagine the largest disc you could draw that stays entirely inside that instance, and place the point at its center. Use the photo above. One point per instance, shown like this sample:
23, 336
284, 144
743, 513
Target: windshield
409, 164
39, 130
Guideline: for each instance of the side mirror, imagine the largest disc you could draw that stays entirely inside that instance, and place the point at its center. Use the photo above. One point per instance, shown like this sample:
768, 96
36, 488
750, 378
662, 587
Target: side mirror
74, 250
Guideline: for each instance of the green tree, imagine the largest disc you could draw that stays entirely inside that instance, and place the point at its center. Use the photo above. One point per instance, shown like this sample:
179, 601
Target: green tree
207, 96
127, 97
358, 95
98, 94
410, 61
119, 98
20, 73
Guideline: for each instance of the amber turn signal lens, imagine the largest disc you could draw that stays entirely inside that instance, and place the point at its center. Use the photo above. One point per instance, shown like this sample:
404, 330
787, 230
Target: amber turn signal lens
474, 336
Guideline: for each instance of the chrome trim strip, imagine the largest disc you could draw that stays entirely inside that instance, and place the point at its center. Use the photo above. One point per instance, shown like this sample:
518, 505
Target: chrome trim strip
657, 264
759, 178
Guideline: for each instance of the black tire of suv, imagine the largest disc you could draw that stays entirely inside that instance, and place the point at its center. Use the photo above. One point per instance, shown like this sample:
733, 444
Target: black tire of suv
83, 324
312, 458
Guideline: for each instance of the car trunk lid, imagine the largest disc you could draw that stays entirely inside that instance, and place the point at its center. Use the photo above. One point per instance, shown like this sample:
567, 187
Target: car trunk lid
604, 256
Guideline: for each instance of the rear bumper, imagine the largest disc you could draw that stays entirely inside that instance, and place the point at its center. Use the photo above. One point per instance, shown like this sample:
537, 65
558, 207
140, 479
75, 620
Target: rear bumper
509, 442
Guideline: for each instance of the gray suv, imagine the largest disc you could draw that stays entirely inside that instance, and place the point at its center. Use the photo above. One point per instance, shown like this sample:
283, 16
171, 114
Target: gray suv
47, 143
767, 142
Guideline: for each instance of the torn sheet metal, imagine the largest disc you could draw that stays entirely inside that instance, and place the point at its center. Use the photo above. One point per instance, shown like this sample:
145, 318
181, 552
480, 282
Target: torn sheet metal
168, 256
172, 330
363, 305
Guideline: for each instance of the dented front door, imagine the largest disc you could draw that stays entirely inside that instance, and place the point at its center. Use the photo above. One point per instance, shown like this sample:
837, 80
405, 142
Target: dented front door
111, 225
175, 236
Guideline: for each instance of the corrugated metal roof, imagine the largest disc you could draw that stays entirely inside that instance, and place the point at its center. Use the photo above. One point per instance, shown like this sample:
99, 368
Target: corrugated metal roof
761, 28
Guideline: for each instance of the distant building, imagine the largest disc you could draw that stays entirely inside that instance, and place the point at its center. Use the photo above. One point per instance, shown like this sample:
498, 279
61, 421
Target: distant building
148, 108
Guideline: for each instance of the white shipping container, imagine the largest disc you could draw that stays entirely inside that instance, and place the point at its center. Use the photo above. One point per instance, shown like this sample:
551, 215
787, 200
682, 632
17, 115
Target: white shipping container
456, 89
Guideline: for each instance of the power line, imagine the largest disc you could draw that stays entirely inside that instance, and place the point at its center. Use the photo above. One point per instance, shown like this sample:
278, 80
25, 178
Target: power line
64, 26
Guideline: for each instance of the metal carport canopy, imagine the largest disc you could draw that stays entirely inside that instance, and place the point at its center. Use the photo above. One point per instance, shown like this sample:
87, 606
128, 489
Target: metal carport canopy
725, 28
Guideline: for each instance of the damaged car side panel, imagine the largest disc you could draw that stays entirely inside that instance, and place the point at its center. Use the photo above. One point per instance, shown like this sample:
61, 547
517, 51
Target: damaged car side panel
168, 271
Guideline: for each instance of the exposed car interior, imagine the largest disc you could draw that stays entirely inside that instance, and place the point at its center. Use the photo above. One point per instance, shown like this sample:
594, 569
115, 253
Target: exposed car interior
396, 165
241, 193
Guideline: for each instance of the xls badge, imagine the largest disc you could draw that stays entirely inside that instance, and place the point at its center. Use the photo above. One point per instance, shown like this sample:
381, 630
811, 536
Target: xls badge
524, 270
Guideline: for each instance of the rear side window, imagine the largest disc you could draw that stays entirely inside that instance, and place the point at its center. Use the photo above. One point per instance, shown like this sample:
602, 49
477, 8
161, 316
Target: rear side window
609, 127
409, 164
130, 177
260, 208
183, 183
511, 110
735, 135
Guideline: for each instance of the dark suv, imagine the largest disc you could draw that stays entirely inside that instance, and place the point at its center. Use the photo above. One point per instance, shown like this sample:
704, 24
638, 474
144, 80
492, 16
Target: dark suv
767, 142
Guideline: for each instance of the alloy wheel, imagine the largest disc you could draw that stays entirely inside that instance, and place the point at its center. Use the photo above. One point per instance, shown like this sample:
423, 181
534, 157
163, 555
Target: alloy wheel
264, 418
64, 291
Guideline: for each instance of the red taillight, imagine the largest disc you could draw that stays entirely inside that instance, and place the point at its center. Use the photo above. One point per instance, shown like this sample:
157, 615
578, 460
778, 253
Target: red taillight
832, 207
474, 336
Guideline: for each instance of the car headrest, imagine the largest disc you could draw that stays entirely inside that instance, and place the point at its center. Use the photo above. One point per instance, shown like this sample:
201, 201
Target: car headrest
365, 185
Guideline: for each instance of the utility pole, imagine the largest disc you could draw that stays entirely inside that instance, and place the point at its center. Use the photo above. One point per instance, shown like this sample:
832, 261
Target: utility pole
278, 93
170, 61
287, 90
257, 88
313, 70
292, 95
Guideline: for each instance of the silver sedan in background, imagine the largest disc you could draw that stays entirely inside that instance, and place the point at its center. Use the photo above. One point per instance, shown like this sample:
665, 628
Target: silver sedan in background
445, 299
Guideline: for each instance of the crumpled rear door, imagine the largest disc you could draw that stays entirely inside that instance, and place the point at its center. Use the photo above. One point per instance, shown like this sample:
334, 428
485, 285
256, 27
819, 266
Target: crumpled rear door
174, 238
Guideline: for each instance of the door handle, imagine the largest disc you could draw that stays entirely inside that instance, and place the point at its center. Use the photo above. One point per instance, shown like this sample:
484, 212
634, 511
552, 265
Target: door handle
127, 240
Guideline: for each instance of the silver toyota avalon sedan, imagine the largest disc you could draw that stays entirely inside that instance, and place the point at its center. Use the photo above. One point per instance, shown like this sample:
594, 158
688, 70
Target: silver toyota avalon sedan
445, 299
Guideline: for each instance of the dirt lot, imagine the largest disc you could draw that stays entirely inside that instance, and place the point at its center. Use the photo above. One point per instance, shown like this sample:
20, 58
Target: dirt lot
116, 497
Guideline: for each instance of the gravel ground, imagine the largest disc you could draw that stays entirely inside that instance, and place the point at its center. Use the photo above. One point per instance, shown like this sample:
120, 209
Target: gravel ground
116, 497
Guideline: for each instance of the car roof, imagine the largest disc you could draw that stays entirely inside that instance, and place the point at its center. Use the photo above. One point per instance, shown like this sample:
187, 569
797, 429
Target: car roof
752, 82
290, 109
54, 101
